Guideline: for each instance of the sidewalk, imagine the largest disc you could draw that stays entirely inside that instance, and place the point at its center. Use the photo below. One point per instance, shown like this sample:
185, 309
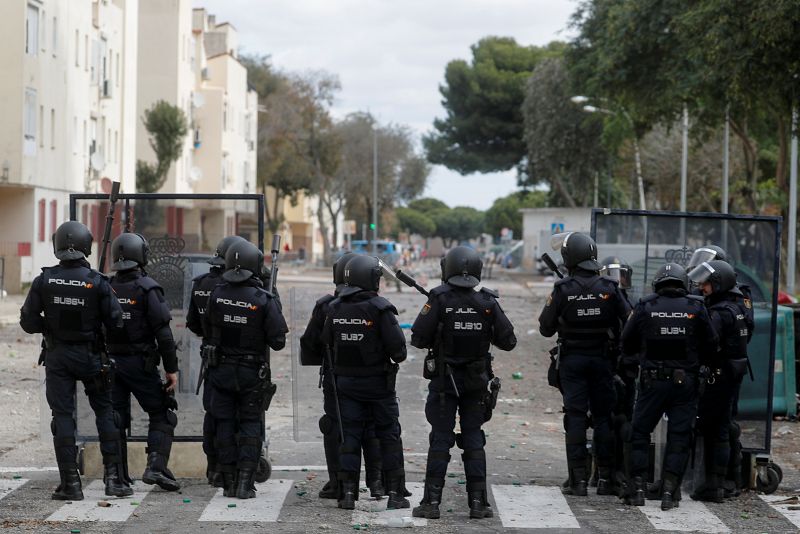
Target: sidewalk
9, 309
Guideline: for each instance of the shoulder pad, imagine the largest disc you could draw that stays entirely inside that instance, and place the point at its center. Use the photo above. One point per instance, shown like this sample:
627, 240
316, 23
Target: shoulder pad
327, 299
97, 274
440, 290
199, 277
147, 283
562, 281
382, 304
696, 297
490, 292
649, 298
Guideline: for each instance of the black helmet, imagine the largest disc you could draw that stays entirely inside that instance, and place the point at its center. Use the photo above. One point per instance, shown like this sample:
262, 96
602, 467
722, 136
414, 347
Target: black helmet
243, 260
462, 267
617, 269
72, 241
577, 250
363, 272
670, 274
128, 251
339, 266
218, 259
718, 272
706, 253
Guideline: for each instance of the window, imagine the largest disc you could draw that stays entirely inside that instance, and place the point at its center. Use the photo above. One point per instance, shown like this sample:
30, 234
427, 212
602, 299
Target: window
95, 65
86, 53
55, 35
116, 146
52, 128
43, 33
77, 48
42, 221
53, 215
74, 134
41, 126
30, 114
116, 69
85, 139
32, 31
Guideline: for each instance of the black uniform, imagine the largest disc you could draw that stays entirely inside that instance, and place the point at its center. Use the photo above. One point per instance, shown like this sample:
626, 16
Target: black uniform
460, 324
69, 304
671, 331
362, 332
727, 368
625, 386
201, 289
144, 339
242, 322
587, 311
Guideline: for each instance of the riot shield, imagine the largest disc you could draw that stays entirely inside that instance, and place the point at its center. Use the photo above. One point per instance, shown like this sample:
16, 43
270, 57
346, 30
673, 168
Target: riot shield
182, 232
646, 240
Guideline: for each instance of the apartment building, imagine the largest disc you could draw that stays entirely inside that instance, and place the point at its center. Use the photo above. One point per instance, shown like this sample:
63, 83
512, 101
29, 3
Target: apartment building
189, 60
68, 102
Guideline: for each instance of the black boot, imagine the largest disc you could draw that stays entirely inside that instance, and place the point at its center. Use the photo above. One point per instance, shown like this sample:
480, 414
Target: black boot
213, 475
670, 492
431, 499
395, 484
479, 507
331, 488
70, 487
123, 447
115, 485
604, 482
373, 467
348, 494
228, 475
635, 496
156, 472
710, 490
330, 443
577, 483
245, 489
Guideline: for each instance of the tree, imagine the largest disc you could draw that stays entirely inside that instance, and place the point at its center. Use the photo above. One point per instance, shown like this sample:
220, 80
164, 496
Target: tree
402, 172
505, 213
483, 129
565, 148
167, 127
415, 222
458, 224
427, 205
281, 153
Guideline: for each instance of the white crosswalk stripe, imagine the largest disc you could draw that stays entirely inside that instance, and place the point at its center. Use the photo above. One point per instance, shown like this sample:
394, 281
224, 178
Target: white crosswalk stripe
266, 507
533, 507
784, 507
88, 510
691, 516
374, 512
7, 485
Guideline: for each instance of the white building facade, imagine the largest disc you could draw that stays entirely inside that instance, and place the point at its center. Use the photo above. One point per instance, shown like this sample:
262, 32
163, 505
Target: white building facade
68, 102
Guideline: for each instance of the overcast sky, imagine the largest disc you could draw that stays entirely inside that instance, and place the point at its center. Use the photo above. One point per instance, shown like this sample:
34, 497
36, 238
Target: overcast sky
390, 56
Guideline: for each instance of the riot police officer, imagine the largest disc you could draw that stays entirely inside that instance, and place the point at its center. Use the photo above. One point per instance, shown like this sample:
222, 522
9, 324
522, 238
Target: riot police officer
624, 384
69, 304
459, 324
242, 321
144, 339
201, 290
366, 342
717, 280
672, 332
707, 253
587, 312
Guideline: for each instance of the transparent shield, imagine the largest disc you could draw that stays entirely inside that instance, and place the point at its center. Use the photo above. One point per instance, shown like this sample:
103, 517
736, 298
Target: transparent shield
648, 240
182, 232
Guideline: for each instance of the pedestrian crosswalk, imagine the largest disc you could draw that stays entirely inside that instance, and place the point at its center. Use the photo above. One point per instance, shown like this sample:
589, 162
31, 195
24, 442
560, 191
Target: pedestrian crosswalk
286, 500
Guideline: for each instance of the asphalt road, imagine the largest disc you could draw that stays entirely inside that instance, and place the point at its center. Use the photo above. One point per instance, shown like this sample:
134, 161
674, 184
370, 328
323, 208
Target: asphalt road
524, 451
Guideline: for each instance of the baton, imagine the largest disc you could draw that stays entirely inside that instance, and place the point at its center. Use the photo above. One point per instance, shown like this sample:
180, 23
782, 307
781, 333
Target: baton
551, 264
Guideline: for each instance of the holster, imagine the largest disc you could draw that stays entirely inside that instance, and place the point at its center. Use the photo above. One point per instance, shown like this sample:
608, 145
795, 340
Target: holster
489, 400
268, 389
210, 355
430, 369
553, 378
391, 376
43, 353
151, 360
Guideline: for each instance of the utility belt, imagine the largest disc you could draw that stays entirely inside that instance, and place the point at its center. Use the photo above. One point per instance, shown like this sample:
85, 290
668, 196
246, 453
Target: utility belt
151, 356
212, 357
388, 369
599, 346
666, 374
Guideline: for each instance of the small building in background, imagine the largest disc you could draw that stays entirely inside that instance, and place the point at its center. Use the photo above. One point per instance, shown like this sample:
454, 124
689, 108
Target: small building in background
538, 224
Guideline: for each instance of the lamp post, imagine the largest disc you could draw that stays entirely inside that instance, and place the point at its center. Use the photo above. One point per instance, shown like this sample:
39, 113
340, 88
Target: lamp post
637, 156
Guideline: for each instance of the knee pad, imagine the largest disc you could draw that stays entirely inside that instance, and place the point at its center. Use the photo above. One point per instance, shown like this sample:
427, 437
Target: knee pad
676, 447
734, 430
449, 438
62, 425
165, 422
326, 424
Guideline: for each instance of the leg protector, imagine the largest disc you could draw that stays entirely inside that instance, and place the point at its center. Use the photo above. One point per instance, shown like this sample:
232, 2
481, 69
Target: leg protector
395, 484
479, 507
431, 499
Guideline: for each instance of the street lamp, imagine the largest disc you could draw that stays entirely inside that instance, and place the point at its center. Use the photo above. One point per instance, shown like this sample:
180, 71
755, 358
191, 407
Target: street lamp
588, 108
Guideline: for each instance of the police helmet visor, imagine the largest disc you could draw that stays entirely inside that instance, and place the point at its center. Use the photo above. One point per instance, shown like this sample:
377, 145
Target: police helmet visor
701, 273
558, 240
388, 272
619, 272
701, 255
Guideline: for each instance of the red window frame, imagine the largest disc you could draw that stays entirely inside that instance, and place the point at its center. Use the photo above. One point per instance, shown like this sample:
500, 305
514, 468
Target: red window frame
42, 219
